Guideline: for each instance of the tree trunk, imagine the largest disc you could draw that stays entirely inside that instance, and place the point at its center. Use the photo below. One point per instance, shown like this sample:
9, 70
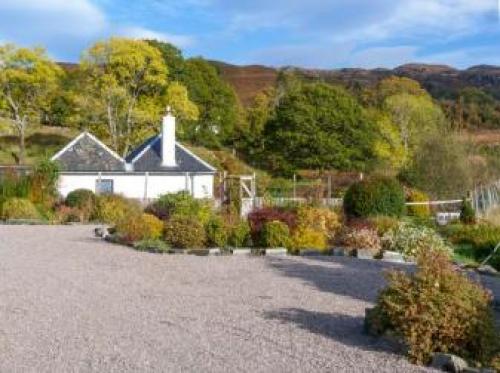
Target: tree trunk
22, 147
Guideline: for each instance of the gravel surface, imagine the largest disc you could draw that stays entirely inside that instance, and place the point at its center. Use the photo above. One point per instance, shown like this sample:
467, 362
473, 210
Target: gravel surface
72, 303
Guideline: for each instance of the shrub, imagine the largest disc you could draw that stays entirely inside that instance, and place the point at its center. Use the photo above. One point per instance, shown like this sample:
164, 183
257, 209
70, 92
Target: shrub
383, 224
412, 240
43, 183
436, 309
467, 213
275, 234
365, 239
180, 204
318, 219
184, 233
112, 208
152, 246
83, 200
139, 226
239, 234
421, 211
19, 208
483, 238
377, 196
308, 238
258, 218
66, 214
217, 234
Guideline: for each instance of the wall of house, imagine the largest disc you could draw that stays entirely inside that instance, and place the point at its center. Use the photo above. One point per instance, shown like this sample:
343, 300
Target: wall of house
136, 185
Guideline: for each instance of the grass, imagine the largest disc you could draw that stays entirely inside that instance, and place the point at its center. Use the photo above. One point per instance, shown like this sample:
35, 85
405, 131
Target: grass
44, 141
465, 254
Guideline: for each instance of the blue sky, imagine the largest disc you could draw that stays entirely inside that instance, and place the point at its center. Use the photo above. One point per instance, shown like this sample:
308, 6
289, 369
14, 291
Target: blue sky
308, 33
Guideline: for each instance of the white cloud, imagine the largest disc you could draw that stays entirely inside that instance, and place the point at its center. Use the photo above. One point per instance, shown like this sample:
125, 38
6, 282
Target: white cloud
144, 33
28, 19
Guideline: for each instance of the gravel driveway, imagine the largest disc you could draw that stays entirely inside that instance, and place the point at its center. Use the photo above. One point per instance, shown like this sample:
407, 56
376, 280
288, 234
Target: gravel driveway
69, 302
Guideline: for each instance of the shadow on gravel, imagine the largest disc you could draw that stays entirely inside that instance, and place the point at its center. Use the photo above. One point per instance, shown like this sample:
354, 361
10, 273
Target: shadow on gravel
345, 329
359, 279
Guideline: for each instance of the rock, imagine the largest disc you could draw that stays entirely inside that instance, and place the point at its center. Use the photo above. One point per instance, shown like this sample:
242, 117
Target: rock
393, 257
448, 363
214, 251
100, 232
177, 251
241, 251
364, 254
277, 251
312, 252
487, 270
339, 251
471, 370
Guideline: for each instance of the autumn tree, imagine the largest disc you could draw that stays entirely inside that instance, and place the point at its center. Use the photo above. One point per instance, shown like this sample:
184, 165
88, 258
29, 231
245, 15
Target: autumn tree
28, 80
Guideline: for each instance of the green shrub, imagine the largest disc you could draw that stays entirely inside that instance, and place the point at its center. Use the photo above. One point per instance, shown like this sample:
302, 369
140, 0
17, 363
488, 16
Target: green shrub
180, 204
112, 208
436, 309
377, 196
421, 211
19, 208
152, 246
84, 200
217, 234
138, 227
483, 238
239, 234
383, 224
184, 233
275, 234
467, 213
43, 183
411, 240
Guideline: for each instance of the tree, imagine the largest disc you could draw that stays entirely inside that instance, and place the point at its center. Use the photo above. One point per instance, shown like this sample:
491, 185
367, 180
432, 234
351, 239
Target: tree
415, 116
321, 127
217, 103
173, 58
122, 74
388, 146
28, 79
441, 166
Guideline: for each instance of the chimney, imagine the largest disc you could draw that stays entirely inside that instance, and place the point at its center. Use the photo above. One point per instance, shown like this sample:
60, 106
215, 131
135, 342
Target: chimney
168, 140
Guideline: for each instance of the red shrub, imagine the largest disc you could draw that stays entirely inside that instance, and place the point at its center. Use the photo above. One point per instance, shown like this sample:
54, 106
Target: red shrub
258, 218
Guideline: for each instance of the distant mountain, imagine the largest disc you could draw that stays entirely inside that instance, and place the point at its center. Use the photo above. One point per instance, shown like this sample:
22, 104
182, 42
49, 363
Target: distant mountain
440, 80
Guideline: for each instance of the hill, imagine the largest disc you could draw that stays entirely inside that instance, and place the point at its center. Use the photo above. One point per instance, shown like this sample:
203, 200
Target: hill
440, 80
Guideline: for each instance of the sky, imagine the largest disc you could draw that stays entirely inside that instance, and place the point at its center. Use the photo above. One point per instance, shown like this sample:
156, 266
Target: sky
305, 33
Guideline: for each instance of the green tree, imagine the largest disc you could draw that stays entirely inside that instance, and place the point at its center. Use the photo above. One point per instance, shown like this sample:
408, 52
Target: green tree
217, 103
28, 80
441, 166
321, 127
123, 74
415, 117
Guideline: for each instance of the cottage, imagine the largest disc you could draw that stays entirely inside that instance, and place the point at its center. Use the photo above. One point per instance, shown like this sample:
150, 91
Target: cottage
160, 165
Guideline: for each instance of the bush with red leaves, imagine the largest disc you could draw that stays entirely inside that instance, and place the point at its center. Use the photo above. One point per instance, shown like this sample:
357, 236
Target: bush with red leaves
259, 217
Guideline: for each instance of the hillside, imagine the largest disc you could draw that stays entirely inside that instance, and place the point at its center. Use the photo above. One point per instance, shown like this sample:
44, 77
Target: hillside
440, 80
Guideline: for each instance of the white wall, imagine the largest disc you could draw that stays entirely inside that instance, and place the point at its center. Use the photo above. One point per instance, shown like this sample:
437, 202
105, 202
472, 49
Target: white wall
133, 185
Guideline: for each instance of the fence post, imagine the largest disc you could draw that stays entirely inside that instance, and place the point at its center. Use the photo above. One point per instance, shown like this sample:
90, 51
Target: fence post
294, 187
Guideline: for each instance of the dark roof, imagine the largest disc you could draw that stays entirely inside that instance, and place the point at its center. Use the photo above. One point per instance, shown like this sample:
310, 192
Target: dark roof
150, 159
86, 153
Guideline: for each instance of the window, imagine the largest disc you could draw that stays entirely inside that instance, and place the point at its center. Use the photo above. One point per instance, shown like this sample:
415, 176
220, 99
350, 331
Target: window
104, 186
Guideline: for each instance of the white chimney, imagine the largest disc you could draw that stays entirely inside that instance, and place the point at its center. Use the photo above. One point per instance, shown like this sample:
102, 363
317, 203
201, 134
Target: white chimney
168, 139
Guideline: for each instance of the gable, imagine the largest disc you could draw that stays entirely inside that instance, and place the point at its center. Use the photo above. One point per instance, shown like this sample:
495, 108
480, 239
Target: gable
86, 153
